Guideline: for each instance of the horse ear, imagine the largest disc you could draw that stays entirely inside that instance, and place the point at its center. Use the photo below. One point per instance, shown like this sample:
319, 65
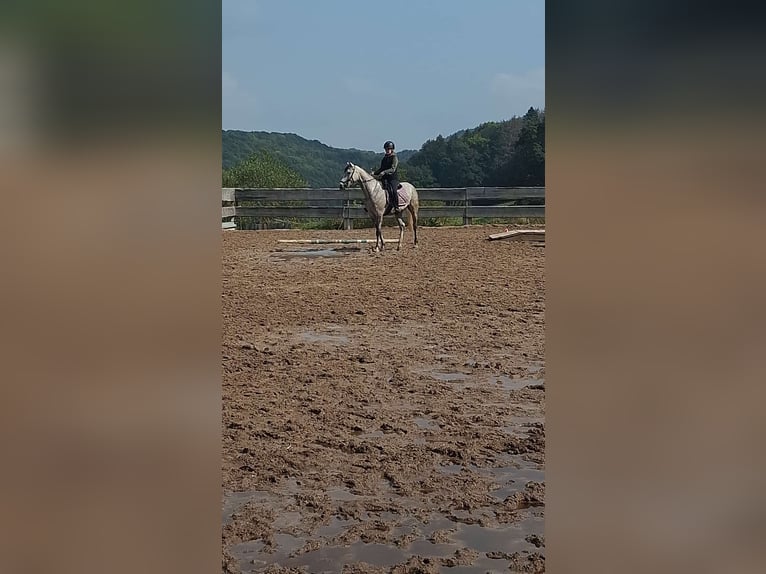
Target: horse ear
348, 164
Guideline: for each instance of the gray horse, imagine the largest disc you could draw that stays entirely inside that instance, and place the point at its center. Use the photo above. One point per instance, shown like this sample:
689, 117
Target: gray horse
375, 202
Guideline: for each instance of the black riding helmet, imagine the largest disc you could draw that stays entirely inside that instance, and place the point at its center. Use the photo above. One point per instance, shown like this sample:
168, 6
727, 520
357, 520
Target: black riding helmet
388, 145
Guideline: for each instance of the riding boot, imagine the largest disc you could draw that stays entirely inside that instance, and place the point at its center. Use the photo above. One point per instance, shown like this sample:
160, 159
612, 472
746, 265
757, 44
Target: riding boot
389, 206
393, 202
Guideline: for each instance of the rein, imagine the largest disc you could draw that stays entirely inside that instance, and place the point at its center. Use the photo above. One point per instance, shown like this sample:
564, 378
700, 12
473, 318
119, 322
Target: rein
364, 180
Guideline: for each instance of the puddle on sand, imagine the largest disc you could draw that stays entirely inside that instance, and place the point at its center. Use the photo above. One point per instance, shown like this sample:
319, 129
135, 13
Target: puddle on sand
341, 494
509, 479
276, 501
335, 527
236, 500
428, 548
465, 380
510, 384
426, 423
287, 543
324, 559
314, 337
332, 559
285, 520
248, 552
368, 434
449, 377
513, 480
284, 255
331, 556
482, 565
521, 425
509, 538
451, 469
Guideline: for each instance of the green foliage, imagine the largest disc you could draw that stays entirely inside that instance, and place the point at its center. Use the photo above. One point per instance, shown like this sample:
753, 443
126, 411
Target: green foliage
509, 153
417, 175
319, 164
440, 221
262, 170
527, 167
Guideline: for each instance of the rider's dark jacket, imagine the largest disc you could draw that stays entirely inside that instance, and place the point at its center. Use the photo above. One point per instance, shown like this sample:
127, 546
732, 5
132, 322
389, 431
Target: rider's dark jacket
388, 167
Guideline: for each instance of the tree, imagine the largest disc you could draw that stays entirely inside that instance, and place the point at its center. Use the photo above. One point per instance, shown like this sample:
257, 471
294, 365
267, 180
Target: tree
527, 167
417, 175
492, 154
261, 169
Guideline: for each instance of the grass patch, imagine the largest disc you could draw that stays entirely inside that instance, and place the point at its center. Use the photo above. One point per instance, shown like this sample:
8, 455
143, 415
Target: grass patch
508, 221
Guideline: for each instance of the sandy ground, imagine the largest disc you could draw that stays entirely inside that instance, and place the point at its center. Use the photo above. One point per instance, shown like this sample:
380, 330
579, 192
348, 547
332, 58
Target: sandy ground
383, 412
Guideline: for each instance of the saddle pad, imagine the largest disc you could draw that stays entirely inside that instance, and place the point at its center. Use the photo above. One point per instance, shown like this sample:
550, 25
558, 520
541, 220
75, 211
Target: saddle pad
404, 196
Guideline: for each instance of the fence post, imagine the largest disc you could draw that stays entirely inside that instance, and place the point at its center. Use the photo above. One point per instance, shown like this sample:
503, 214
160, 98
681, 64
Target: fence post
348, 223
228, 208
467, 203
235, 219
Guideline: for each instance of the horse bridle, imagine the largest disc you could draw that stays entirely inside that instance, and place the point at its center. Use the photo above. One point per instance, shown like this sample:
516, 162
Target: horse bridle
361, 180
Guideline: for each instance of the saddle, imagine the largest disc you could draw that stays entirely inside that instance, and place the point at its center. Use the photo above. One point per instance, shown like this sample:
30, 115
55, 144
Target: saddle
403, 200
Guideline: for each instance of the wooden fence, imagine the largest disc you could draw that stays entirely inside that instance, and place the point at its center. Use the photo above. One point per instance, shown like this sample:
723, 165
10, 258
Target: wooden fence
347, 205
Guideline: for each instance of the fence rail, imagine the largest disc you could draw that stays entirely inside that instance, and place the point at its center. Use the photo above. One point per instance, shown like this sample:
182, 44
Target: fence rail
347, 205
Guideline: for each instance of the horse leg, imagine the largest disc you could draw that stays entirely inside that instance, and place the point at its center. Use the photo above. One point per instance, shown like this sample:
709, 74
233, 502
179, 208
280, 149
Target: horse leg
379, 243
377, 239
401, 231
414, 220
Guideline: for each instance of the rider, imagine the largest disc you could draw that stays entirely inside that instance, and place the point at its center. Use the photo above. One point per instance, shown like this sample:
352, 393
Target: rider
387, 174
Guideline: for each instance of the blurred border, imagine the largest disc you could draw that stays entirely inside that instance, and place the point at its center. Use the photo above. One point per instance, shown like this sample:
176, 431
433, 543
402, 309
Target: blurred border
656, 282
110, 150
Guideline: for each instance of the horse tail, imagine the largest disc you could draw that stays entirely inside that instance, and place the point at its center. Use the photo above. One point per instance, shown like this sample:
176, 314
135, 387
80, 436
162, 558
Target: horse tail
414, 200
415, 205
413, 209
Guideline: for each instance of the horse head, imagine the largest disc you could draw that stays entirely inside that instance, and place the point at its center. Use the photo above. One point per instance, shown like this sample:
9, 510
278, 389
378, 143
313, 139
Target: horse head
349, 174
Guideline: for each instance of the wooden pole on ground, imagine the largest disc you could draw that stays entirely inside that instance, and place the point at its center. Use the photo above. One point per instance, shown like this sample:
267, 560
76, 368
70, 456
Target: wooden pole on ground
533, 234
322, 241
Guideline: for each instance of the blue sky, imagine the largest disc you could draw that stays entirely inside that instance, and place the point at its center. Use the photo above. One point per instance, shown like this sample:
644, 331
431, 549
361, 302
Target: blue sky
355, 73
